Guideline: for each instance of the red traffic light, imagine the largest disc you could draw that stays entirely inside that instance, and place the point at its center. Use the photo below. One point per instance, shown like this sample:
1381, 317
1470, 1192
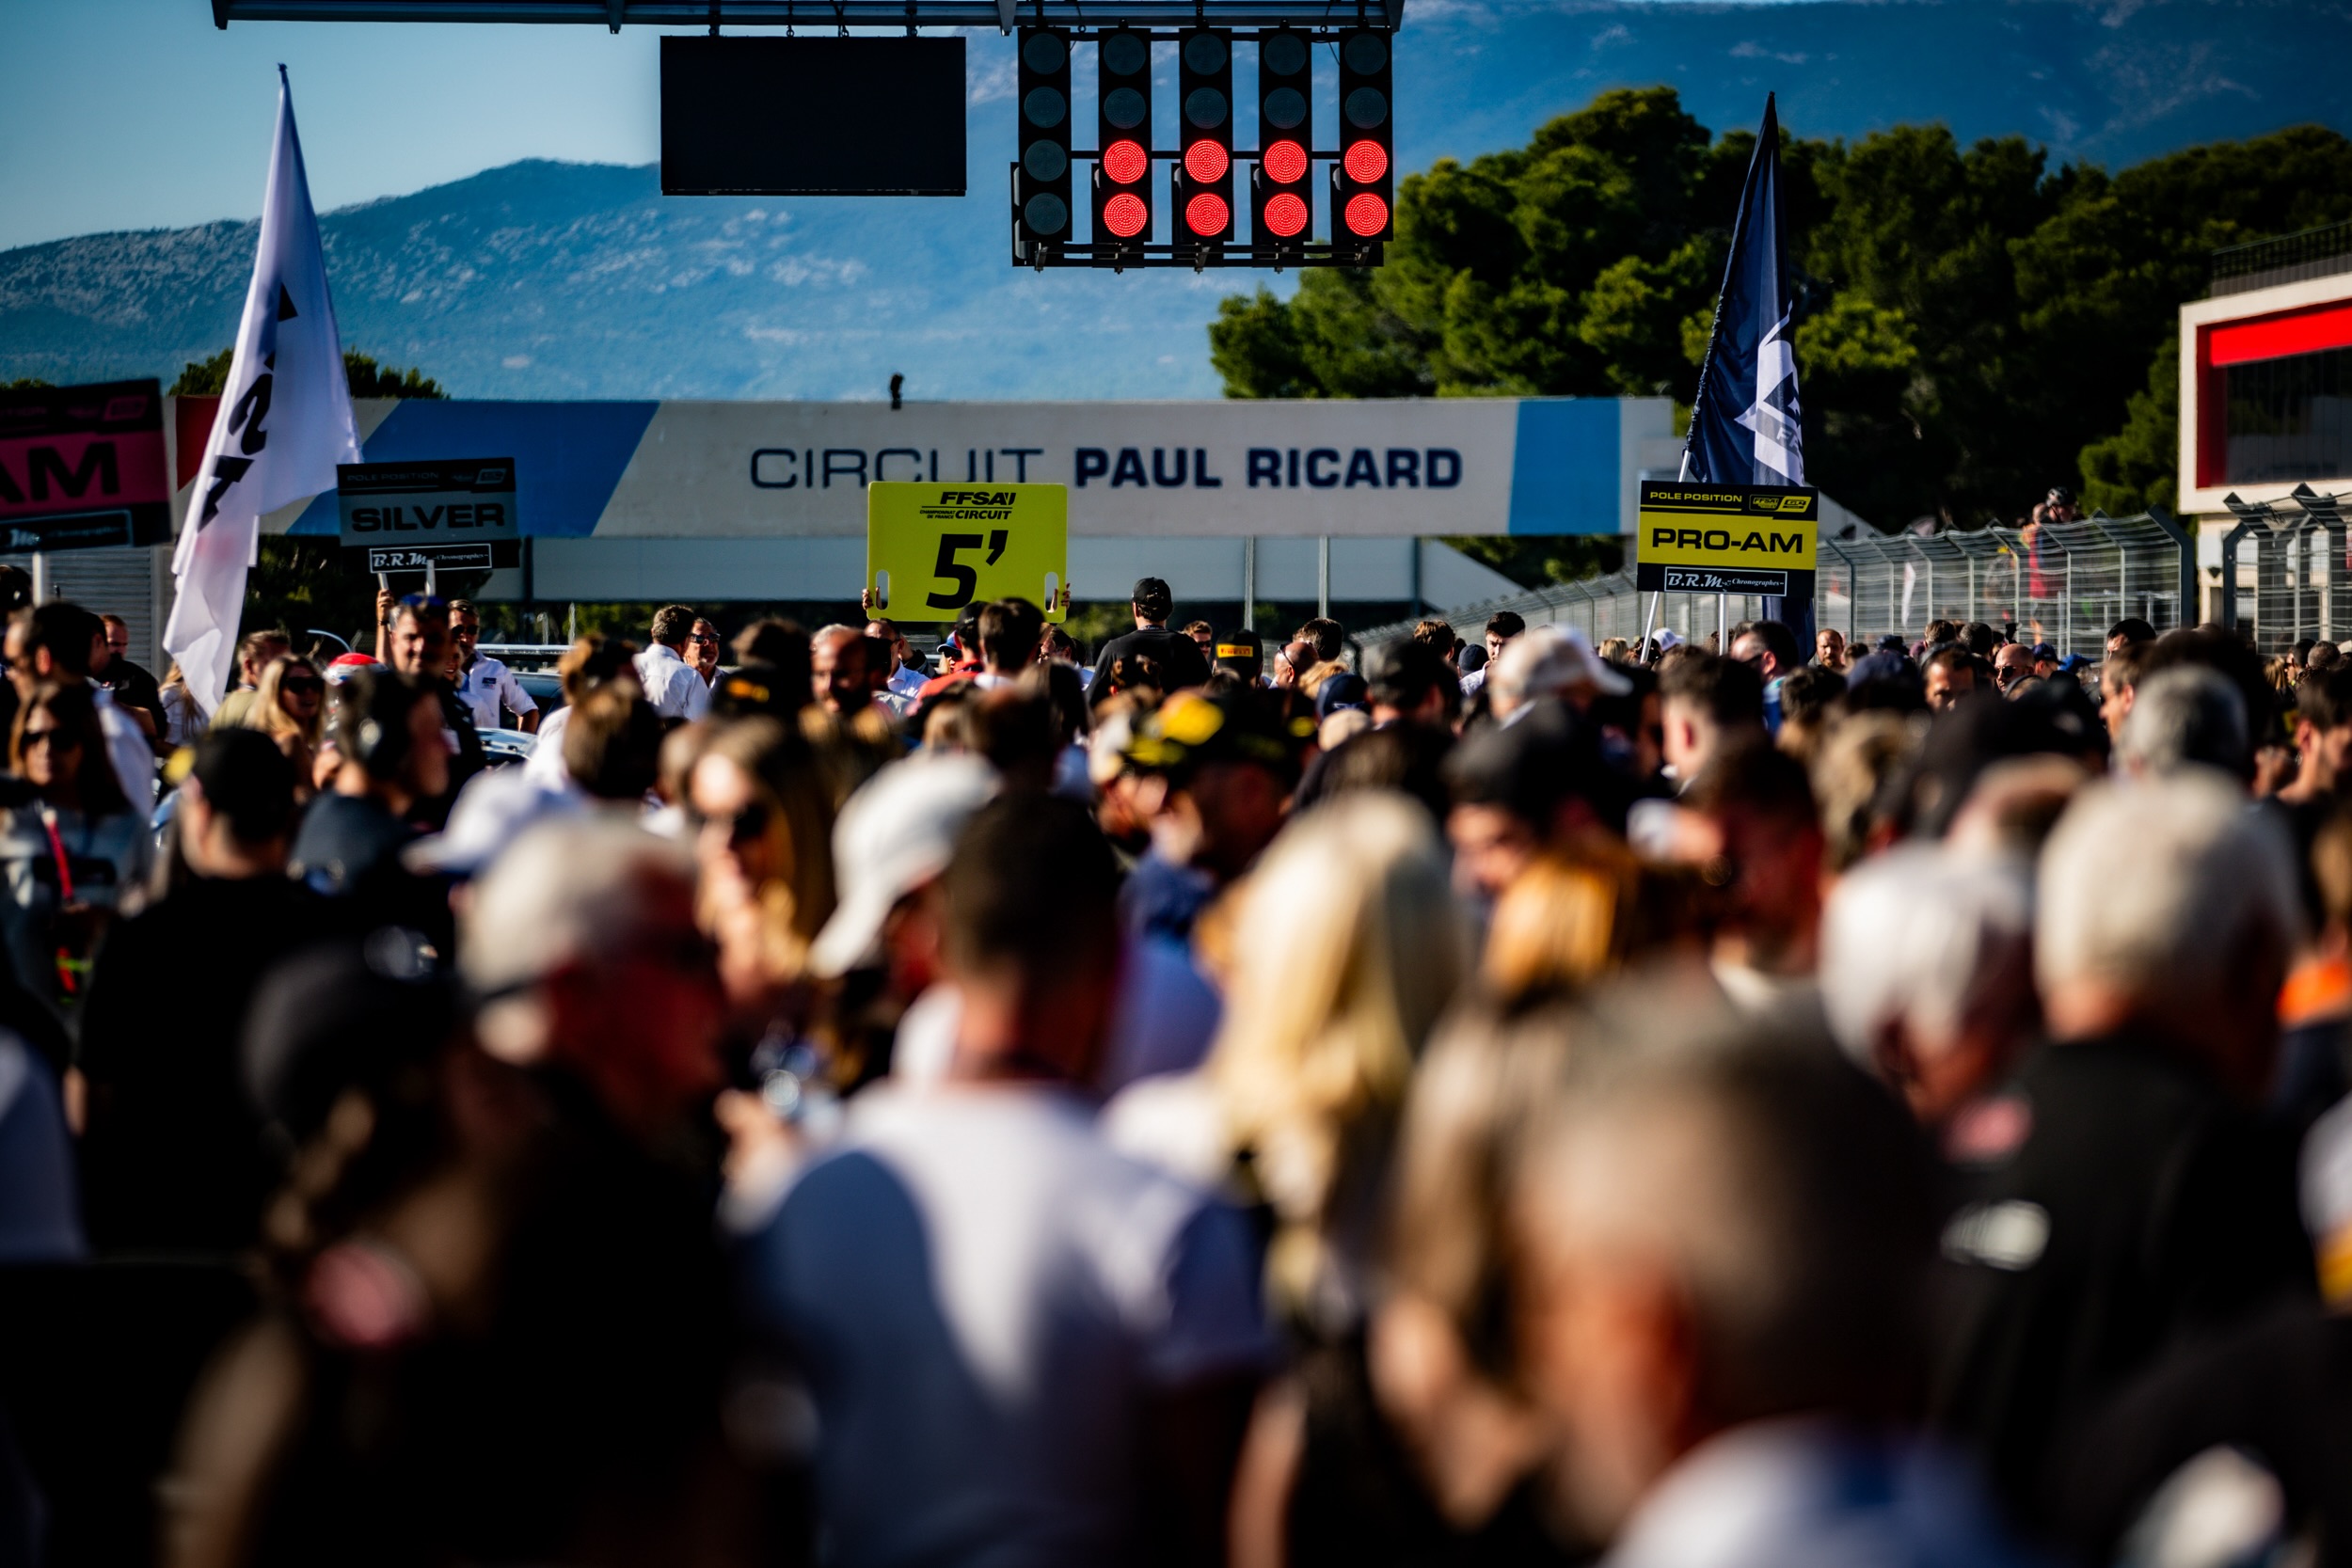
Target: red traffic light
1125, 161
1285, 214
1285, 162
1367, 215
1365, 161
1207, 161
1126, 214
1207, 214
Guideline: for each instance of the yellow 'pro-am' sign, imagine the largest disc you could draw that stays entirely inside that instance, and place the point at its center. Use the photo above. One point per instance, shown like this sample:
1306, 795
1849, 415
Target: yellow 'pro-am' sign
1726, 539
932, 549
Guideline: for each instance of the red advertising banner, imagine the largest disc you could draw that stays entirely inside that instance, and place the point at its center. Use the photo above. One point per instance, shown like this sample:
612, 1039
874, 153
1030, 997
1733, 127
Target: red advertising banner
83, 466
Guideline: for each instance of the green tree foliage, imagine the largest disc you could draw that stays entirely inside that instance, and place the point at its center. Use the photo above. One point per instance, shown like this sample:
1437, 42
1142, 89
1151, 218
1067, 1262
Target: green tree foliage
306, 584
368, 378
1971, 323
2139, 466
1540, 556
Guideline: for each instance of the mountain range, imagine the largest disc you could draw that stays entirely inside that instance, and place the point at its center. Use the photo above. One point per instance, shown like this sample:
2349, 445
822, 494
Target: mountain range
552, 280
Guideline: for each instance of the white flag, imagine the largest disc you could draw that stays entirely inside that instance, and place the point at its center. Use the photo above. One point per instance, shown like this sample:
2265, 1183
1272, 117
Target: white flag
284, 423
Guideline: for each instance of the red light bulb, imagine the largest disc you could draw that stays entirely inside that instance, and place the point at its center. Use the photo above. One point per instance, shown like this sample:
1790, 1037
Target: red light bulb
1285, 214
1285, 162
1206, 214
1207, 161
1125, 161
1365, 161
1367, 215
1126, 214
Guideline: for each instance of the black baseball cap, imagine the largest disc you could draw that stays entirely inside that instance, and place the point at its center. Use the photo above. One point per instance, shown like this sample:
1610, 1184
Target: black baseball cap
1191, 731
1530, 767
1240, 652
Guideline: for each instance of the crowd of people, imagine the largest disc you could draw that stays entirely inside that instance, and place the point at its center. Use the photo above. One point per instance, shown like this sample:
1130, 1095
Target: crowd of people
1437, 1102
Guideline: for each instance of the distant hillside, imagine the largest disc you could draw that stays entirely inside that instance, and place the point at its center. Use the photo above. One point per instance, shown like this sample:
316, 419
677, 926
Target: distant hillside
544, 279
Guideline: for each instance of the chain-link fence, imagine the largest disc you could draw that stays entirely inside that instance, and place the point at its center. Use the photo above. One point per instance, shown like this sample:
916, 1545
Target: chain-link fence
2062, 583
2293, 559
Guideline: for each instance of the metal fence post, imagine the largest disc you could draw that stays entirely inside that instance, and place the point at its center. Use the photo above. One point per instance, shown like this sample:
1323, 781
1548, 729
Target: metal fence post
2191, 610
2229, 572
1853, 594
2066, 606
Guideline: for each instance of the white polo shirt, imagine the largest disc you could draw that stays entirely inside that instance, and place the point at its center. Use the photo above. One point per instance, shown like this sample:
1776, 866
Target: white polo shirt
672, 685
485, 686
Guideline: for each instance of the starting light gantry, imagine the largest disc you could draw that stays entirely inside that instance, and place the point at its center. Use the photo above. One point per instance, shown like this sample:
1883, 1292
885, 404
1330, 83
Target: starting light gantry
1276, 39
1201, 209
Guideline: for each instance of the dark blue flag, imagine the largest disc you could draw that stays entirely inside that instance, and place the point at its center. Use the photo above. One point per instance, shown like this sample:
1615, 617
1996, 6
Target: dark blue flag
1746, 427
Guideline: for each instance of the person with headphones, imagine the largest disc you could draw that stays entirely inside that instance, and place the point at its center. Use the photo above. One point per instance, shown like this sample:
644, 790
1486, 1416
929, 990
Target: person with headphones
387, 730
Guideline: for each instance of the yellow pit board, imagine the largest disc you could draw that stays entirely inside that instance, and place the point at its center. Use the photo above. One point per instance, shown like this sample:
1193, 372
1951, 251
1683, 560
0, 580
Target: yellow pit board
1694, 538
932, 549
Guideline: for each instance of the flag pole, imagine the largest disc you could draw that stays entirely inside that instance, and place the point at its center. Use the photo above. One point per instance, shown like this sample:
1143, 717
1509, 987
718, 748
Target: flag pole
283, 425
1757, 436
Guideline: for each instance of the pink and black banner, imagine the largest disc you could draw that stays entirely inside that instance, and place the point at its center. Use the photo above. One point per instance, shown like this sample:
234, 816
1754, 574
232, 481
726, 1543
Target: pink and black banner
83, 466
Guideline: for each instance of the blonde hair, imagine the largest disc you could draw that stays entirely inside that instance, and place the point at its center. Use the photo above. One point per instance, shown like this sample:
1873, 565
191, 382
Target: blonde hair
1341, 725
1489, 1078
1311, 680
1349, 946
1556, 928
793, 782
268, 716
1852, 763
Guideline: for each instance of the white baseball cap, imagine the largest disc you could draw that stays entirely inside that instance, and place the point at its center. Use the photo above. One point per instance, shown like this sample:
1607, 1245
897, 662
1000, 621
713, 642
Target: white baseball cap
895, 833
1555, 658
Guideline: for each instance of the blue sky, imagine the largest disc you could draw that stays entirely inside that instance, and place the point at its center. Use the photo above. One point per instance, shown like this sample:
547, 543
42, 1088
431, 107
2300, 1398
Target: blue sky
140, 114
137, 114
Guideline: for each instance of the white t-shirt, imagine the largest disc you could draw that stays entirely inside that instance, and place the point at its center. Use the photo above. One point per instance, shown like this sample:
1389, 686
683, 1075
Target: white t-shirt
671, 683
981, 1291
485, 686
546, 761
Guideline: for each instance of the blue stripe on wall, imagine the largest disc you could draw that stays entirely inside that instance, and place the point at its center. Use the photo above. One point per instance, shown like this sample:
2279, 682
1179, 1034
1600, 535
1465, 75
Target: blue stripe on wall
569, 456
1564, 472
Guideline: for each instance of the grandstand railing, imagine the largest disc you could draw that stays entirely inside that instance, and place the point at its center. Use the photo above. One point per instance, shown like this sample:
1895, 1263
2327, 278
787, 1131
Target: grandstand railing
2320, 252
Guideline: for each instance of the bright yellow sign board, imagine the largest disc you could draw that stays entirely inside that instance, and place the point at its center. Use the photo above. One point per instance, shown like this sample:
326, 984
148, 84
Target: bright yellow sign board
932, 549
1725, 538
